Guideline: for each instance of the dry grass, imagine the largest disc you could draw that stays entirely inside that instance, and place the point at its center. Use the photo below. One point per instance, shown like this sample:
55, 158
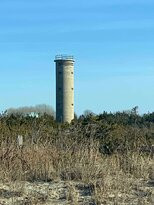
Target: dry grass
64, 159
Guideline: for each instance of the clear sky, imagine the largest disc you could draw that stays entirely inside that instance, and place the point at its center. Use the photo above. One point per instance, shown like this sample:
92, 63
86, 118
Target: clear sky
112, 41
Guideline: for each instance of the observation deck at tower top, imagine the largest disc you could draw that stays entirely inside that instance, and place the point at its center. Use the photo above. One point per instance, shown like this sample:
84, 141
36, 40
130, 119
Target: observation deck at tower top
64, 58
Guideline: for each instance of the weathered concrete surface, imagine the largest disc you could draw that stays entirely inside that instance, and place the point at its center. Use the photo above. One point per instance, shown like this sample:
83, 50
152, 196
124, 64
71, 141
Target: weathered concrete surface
64, 90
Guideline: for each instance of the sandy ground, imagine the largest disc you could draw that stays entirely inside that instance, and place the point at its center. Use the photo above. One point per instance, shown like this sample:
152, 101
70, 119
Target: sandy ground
71, 193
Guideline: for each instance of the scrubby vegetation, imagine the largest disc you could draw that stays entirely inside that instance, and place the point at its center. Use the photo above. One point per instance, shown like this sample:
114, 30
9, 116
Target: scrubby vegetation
114, 132
110, 153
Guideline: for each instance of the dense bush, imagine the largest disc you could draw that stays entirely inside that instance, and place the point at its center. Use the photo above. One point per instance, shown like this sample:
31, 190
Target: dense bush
108, 153
114, 131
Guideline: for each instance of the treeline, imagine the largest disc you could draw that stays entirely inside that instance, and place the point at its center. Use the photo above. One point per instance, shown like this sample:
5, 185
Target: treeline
124, 118
31, 110
114, 132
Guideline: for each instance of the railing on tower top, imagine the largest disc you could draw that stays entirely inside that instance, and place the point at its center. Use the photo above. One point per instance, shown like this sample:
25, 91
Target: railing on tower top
64, 57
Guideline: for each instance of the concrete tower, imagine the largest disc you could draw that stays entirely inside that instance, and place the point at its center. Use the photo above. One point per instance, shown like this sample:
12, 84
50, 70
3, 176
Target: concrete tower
64, 88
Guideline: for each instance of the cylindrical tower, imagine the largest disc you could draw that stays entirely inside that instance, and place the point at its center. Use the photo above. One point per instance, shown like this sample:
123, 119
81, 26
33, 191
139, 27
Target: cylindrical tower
64, 88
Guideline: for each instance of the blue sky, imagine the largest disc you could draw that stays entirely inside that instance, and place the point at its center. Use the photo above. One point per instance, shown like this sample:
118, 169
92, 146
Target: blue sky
112, 41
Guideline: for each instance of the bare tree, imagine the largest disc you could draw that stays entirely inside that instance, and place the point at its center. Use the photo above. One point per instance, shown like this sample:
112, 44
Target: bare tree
32, 110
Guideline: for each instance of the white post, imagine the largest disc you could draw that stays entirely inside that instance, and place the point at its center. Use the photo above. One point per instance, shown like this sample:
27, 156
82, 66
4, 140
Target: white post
20, 140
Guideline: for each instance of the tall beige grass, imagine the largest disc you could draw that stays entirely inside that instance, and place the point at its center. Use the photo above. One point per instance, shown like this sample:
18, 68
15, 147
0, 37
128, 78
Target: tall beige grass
67, 159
